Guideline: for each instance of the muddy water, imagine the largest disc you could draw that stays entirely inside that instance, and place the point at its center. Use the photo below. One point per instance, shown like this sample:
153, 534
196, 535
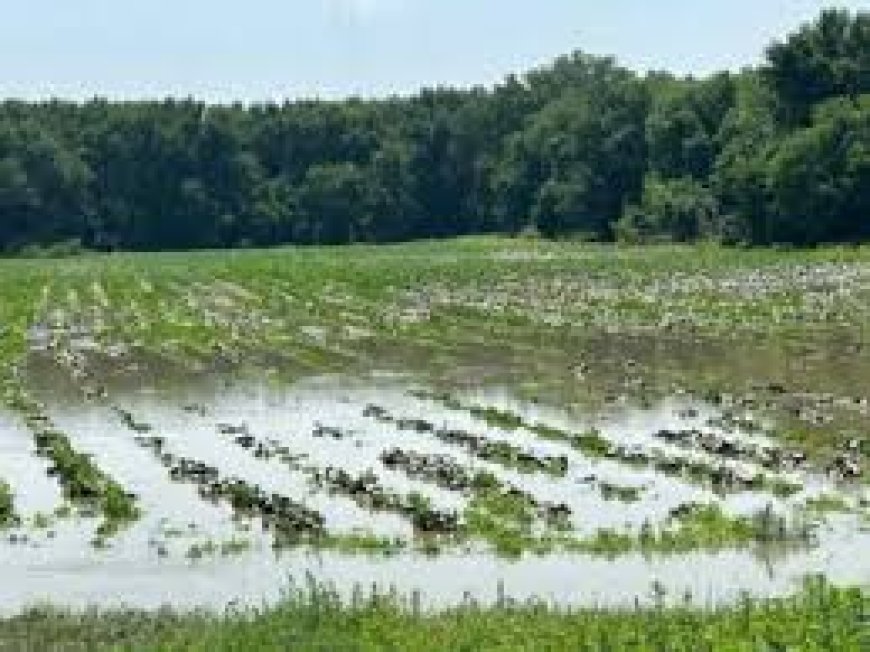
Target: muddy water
147, 565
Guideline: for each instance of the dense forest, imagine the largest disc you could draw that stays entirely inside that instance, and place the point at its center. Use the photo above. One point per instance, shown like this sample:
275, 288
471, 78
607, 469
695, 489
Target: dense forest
583, 148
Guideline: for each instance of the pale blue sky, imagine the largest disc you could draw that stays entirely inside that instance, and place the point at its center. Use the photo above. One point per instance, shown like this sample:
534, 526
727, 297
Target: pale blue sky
272, 49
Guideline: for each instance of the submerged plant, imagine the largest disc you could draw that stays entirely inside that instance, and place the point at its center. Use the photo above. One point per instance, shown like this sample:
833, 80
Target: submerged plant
7, 506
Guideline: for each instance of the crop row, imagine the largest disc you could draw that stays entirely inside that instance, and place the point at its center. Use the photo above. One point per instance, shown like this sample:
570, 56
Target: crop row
719, 477
83, 483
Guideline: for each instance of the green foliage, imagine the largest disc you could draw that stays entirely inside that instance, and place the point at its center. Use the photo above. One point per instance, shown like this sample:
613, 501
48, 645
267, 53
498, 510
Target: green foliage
820, 176
589, 151
826, 59
83, 482
684, 122
502, 519
679, 209
562, 151
333, 203
748, 136
819, 617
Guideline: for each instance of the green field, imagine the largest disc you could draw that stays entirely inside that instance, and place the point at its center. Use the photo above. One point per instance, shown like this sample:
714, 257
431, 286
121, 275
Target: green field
535, 413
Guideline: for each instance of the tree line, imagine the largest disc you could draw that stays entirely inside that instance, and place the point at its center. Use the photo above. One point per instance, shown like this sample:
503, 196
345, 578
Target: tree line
779, 153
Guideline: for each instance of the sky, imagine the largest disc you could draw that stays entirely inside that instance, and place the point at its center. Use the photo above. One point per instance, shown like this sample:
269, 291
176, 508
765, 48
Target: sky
270, 50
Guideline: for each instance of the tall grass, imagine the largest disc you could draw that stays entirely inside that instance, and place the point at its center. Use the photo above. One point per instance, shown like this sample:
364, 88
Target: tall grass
820, 617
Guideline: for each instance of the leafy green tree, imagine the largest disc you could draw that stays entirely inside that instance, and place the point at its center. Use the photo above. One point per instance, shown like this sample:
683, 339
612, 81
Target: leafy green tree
578, 147
824, 59
336, 204
748, 137
820, 177
43, 188
587, 154
683, 125
681, 210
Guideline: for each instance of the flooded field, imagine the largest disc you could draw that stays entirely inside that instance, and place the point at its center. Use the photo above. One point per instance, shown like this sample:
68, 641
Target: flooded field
592, 528
460, 422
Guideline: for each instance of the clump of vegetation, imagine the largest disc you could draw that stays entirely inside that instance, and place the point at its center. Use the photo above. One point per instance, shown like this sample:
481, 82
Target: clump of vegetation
364, 489
228, 548
594, 445
819, 617
496, 418
610, 491
827, 504
589, 443
363, 543
706, 526
482, 447
7, 506
83, 483
503, 519
695, 527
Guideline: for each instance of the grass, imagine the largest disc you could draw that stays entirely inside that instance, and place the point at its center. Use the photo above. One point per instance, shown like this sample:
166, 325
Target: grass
818, 618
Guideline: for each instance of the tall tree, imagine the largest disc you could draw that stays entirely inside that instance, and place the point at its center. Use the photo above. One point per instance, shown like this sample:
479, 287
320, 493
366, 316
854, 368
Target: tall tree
824, 59
820, 177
